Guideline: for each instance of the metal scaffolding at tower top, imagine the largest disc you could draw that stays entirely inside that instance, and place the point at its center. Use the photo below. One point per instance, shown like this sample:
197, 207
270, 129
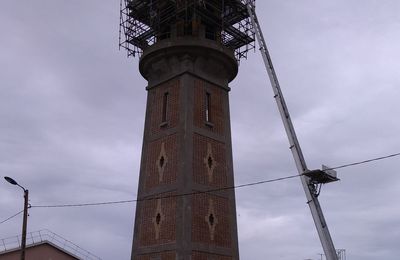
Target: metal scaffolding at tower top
145, 22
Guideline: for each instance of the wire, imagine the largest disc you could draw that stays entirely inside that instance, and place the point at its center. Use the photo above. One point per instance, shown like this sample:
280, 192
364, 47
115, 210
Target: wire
363, 162
7, 219
167, 196
84, 204
207, 191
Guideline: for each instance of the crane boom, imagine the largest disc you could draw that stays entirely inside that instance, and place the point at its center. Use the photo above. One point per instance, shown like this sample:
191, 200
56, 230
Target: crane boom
309, 184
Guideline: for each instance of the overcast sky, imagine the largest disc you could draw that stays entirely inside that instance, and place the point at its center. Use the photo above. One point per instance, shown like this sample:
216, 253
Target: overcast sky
72, 115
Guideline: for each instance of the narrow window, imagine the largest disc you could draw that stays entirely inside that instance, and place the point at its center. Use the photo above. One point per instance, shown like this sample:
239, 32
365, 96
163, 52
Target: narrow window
165, 107
208, 107
211, 219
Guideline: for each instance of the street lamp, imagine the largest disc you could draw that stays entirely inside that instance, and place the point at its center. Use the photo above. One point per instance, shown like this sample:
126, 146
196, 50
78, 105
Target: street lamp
24, 223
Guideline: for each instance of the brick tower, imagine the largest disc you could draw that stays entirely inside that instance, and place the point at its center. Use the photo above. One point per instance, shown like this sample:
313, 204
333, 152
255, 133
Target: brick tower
189, 51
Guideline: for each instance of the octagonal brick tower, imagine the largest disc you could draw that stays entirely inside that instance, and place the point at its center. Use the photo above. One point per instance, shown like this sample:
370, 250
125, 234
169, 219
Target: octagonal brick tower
185, 210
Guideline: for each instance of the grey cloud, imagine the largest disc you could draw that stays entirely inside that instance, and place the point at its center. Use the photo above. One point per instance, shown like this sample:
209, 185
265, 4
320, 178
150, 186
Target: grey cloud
72, 114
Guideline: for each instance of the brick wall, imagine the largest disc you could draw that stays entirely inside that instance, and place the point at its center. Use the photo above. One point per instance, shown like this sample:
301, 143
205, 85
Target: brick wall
156, 96
201, 232
209, 223
204, 256
161, 256
167, 226
167, 157
218, 98
202, 146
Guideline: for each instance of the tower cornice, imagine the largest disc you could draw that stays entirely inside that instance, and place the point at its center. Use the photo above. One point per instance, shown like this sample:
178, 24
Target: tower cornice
172, 57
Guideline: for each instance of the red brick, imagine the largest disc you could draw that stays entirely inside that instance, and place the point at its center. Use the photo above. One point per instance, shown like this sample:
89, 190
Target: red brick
162, 256
206, 256
171, 164
200, 229
200, 151
147, 232
156, 97
218, 115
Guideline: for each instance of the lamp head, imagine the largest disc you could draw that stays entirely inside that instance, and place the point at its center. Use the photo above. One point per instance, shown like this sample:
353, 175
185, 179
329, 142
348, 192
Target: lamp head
11, 180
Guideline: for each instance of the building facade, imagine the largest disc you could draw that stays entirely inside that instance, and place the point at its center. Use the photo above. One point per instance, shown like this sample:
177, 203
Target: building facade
186, 207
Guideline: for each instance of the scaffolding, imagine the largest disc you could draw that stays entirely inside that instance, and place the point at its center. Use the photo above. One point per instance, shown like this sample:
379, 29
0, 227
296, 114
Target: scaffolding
145, 22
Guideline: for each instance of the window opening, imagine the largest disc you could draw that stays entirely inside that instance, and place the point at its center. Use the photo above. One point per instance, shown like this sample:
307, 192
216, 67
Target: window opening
208, 107
162, 161
210, 162
165, 107
211, 219
158, 219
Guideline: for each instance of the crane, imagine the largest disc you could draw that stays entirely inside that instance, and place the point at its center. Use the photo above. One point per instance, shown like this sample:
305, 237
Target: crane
312, 180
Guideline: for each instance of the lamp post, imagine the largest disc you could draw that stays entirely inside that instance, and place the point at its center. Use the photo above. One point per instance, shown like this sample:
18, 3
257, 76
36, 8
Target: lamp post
25, 220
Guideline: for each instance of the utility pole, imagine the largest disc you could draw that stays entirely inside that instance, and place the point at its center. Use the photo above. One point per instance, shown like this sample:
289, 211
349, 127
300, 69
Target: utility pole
24, 224
25, 218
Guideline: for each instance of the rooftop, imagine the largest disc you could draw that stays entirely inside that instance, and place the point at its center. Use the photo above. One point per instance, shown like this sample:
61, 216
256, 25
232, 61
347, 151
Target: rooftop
46, 236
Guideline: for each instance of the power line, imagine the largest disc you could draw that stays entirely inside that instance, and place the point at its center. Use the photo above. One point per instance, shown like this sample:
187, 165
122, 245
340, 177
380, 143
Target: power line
363, 162
7, 219
167, 196
84, 204
207, 191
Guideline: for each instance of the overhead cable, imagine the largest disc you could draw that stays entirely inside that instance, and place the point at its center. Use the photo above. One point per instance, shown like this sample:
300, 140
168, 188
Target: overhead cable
155, 197
7, 219
363, 162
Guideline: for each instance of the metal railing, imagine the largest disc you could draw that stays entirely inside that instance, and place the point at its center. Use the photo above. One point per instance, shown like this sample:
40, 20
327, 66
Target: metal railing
45, 235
